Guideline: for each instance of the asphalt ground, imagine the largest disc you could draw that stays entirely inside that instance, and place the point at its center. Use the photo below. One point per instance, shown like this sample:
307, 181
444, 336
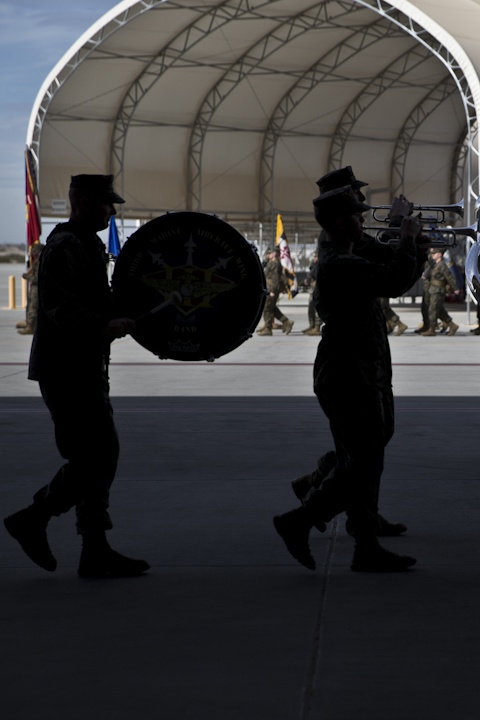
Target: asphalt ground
226, 625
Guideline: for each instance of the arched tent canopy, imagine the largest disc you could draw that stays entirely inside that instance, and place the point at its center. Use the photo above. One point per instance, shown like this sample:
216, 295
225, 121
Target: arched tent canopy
236, 107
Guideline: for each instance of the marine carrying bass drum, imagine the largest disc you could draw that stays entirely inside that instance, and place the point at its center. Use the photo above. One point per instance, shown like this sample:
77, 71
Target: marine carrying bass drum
194, 285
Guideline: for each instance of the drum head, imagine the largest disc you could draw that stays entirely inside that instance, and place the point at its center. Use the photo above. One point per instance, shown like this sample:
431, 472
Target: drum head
215, 270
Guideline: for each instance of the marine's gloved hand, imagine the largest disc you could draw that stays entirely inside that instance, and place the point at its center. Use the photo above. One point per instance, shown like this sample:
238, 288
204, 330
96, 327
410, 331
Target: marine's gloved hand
401, 207
119, 327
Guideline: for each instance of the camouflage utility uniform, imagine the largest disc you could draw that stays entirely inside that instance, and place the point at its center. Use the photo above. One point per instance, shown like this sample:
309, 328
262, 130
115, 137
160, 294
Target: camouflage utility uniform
31, 276
314, 320
391, 318
276, 284
439, 277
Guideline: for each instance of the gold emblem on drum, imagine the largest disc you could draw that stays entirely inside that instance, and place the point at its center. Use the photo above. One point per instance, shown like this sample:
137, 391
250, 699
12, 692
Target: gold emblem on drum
197, 286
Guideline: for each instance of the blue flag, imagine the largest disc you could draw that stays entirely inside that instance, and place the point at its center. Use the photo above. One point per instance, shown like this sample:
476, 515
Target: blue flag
113, 241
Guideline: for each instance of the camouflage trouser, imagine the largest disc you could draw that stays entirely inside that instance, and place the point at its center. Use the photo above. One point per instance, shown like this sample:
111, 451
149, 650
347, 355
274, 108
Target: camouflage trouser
424, 307
436, 309
314, 319
32, 305
390, 315
272, 311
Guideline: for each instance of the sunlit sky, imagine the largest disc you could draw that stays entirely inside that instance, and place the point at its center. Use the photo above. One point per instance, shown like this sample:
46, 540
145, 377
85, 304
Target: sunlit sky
34, 35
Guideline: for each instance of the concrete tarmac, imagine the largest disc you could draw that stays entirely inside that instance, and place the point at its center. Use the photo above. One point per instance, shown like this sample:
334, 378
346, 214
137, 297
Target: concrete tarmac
226, 625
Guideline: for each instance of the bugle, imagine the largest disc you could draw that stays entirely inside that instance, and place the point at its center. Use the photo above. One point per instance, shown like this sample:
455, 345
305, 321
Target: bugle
429, 237
440, 212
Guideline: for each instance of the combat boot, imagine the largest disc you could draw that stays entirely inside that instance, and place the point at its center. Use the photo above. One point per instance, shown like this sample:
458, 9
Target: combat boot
390, 326
370, 556
421, 328
28, 527
265, 331
99, 560
21, 324
400, 327
287, 326
310, 327
429, 333
312, 331
452, 328
294, 528
26, 330
277, 326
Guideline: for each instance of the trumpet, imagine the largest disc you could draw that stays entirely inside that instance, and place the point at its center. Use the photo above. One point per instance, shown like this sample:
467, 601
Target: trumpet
432, 237
440, 212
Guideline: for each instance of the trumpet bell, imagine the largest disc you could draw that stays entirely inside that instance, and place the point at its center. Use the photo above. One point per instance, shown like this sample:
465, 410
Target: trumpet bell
457, 208
472, 271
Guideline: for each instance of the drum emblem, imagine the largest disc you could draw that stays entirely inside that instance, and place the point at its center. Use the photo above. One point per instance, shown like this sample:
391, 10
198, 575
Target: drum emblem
198, 286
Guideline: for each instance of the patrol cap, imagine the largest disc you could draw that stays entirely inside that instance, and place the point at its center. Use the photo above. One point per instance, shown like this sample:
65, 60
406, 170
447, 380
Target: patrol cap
341, 201
99, 186
338, 179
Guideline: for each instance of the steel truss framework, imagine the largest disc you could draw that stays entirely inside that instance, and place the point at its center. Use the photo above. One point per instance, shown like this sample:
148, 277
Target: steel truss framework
62, 72
470, 167
387, 21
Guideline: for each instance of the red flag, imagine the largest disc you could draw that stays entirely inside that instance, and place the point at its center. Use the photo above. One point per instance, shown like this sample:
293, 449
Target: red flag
34, 225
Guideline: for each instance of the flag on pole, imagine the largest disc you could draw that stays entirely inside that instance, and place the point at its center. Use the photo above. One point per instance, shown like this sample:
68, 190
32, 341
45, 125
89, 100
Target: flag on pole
32, 204
113, 241
286, 259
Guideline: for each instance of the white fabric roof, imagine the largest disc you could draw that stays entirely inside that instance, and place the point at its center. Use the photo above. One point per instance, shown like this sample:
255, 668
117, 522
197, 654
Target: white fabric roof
237, 106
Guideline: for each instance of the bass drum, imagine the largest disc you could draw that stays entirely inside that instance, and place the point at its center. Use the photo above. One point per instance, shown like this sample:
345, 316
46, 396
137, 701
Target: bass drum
215, 271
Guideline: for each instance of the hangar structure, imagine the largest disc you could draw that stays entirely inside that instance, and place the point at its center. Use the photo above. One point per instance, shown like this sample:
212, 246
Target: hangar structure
236, 107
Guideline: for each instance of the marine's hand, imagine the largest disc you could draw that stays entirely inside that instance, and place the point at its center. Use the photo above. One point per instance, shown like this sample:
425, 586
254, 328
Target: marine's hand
401, 207
119, 327
410, 227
